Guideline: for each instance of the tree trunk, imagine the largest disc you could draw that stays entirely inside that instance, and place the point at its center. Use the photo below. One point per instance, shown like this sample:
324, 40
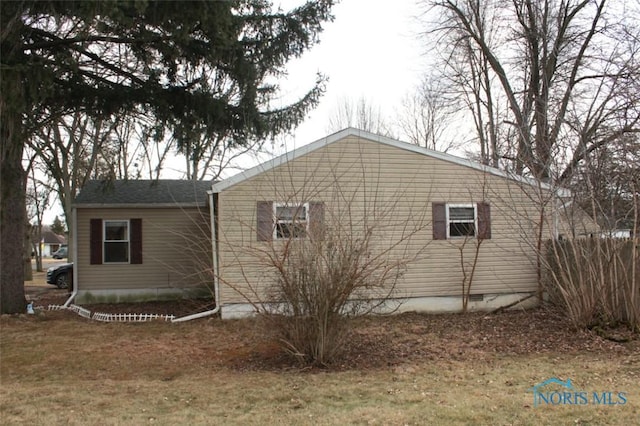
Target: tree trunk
12, 196
13, 217
68, 215
28, 271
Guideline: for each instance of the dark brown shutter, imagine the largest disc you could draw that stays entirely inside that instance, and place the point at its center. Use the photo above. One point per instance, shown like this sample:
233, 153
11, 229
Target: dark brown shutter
484, 221
136, 241
95, 241
264, 217
316, 218
439, 213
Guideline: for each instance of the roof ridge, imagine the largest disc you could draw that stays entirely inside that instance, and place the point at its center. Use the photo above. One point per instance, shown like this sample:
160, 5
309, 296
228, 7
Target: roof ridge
351, 131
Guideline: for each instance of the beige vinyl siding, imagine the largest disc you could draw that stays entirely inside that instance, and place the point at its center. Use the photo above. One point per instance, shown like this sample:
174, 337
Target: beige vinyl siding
175, 247
394, 187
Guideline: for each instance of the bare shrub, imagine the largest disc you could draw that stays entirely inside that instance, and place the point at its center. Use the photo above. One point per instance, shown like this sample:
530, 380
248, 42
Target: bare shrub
468, 268
595, 280
330, 274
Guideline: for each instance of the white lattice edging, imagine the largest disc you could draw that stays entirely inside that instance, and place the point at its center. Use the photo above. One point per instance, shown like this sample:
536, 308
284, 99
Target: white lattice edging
99, 316
104, 317
80, 311
55, 308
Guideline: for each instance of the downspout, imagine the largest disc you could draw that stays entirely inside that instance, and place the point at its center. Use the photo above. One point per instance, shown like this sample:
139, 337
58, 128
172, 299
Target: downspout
214, 251
74, 225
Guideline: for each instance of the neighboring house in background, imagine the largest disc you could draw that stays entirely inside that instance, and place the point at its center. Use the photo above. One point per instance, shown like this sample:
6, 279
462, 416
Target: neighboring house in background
141, 240
574, 222
129, 234
50, 242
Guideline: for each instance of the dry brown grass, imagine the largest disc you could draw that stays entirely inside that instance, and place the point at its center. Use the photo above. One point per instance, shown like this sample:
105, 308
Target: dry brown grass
410, 369
39, 280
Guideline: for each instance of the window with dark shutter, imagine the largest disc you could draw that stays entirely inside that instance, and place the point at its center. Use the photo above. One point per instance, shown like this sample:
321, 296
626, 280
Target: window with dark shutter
116, 241
291, 220
95, 241
439, 216
285, 220
461, 220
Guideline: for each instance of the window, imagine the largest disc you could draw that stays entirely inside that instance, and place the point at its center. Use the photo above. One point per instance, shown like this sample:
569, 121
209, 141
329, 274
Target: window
461, 220
281, 221
291, 221
116, 241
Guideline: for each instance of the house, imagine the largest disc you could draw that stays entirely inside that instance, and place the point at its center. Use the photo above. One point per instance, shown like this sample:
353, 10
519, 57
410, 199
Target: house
574, 222
141, 240
431, 207
50, 242
452, 218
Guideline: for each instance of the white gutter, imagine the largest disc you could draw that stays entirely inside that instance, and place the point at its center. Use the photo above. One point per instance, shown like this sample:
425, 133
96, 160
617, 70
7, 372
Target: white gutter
214, 251
74, 225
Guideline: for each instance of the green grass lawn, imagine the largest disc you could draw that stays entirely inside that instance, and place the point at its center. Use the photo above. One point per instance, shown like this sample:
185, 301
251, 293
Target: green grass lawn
59, 369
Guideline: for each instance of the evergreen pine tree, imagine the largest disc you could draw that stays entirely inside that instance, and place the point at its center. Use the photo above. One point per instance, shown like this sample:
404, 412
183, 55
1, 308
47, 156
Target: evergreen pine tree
57, 227
196, 67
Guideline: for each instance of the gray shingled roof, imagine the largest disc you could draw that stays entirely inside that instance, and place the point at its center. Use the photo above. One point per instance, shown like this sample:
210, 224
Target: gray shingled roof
47, 236
144, 192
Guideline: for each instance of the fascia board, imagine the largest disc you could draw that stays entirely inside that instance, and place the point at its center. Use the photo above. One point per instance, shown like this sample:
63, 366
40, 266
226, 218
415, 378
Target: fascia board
138, 206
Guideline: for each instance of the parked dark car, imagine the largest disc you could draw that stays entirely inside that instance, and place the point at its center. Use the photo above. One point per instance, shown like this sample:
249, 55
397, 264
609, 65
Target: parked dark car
61, 275
61, 253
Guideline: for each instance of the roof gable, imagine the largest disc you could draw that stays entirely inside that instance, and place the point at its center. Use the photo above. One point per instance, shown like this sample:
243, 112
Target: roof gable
47, 236
153, 193
328, 140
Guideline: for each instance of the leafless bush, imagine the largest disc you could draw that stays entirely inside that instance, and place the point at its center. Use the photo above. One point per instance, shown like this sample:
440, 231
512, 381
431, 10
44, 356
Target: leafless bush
468, 268
321, 282
595, 280
330, 274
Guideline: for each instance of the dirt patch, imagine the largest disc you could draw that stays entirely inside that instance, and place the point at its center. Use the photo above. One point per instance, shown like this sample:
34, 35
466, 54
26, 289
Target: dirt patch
380, 341
42, 295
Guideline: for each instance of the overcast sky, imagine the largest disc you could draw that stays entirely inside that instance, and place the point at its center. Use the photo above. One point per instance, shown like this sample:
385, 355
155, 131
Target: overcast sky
370, 50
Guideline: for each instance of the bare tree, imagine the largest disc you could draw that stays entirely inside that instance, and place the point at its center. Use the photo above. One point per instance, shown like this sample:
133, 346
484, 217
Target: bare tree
38, 198
72, 150
137, 149
361, 114
562, 68
605, 182
428, 115
207, 157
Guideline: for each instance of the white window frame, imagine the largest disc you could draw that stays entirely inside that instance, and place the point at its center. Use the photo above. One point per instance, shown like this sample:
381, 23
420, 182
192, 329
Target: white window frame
475, 220
276, 221
104, 241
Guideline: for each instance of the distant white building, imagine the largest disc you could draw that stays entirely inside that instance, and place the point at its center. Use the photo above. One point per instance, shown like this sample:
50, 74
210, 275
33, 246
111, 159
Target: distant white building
50, 242
616, 233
